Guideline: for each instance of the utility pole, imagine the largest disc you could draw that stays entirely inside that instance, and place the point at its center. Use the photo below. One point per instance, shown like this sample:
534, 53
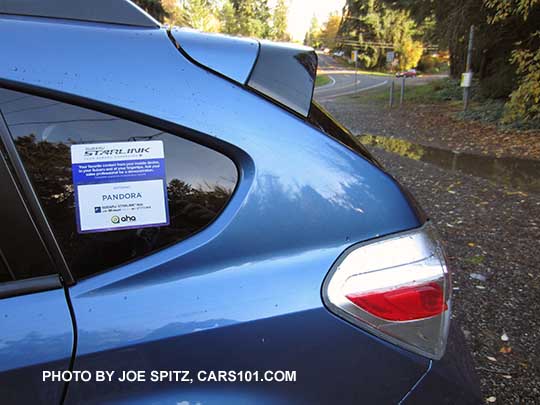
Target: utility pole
355, 70
467, 76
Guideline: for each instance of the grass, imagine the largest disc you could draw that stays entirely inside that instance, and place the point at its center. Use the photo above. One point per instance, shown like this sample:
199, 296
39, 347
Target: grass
490, 111
435, 91
475, 260
444, 91
322, 80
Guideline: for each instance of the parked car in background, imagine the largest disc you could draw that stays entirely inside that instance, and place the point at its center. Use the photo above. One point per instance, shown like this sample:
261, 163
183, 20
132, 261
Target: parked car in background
407, 73
178, 213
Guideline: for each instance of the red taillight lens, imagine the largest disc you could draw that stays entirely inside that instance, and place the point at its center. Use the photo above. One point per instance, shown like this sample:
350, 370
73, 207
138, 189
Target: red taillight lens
397, 288
403, 304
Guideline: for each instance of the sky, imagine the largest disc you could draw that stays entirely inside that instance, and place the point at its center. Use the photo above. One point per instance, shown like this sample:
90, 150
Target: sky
301, 11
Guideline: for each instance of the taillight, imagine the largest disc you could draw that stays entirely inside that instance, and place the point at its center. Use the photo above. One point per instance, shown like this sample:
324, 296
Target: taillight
396, 287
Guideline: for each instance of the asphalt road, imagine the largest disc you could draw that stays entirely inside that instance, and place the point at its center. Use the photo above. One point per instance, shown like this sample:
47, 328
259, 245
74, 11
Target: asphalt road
343, 80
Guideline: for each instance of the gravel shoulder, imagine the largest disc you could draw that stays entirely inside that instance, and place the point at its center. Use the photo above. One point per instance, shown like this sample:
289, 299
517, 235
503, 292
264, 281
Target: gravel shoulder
492, 237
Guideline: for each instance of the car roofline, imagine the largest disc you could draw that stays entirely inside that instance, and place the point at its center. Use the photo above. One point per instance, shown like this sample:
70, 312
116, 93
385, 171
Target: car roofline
122, 12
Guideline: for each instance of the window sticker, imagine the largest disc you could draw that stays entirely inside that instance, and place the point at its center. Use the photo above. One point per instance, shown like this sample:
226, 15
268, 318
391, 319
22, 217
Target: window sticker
119, 185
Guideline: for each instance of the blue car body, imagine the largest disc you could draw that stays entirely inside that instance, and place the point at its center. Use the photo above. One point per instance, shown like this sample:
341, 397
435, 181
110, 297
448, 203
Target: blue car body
244, 293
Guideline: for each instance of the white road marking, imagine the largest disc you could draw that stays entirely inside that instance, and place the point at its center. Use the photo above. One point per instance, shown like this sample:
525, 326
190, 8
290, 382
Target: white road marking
328, 84
342, 87
330, 97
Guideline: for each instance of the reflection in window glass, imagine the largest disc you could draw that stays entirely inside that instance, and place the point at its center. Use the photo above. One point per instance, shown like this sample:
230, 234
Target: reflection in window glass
4, 272
200, 180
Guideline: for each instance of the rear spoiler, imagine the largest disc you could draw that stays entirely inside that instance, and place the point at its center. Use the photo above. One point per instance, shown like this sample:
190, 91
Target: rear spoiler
285, 73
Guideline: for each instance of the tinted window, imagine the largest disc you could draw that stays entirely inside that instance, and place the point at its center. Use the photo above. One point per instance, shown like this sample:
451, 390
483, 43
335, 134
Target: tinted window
199, 180
22, 251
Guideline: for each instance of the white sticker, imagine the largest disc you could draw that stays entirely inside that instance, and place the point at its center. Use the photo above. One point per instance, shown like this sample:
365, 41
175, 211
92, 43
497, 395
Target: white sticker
466, 79
120, 185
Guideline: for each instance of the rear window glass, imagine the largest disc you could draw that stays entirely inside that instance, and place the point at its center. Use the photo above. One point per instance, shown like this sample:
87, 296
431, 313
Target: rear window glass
199, 180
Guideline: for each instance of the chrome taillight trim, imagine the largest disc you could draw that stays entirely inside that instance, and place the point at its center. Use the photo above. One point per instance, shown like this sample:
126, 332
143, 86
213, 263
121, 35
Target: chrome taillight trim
408, 258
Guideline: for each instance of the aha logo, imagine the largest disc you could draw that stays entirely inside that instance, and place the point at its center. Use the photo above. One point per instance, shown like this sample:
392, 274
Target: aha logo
126, 218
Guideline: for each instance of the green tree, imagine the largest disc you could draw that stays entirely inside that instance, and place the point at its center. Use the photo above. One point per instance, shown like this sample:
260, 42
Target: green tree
249, 18
199, 14
227, 17
263, 16
330, 30
279, 22
398, 29
312, 37
362, 23
379, 26
524, 102
246, 18
499, 26
506, 54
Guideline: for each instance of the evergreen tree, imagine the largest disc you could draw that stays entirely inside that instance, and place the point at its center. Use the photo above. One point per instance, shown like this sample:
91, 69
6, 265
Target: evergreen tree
263, 16
249, 18
279, 22
246, 18
312, 37
227, 17
199, 14
399, 29
362, 22
524, 103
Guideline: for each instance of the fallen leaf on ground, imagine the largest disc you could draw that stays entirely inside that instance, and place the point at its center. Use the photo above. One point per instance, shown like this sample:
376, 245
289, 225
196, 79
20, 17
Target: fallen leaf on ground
521, 193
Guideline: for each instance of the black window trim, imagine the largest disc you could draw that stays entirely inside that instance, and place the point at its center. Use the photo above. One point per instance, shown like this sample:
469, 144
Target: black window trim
32, 285
238, 157
33, 204
39, 283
